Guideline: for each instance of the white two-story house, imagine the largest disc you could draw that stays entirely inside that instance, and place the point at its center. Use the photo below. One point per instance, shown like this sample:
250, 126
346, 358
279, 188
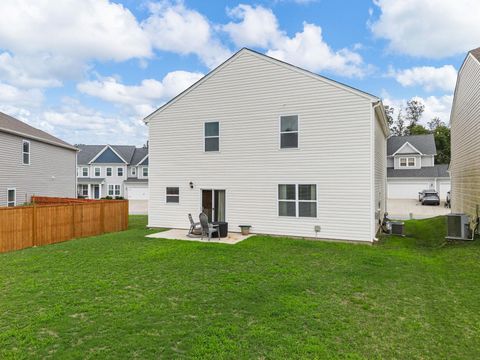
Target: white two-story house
411, 167
264, 143
116, 171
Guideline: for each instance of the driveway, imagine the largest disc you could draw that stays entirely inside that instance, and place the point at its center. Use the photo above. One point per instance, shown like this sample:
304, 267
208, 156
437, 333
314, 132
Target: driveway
138, 207
402, 208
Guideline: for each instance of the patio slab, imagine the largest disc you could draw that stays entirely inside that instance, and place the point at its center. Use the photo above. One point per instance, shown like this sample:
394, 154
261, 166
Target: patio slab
181, 234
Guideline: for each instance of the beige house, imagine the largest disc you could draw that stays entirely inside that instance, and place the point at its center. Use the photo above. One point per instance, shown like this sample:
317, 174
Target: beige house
465, 124
264, 143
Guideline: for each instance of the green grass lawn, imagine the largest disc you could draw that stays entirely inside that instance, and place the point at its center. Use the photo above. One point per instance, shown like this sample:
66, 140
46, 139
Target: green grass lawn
125, 296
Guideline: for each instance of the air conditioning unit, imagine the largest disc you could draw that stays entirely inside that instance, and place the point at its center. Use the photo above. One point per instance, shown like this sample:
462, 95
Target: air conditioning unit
458, 227
397, 228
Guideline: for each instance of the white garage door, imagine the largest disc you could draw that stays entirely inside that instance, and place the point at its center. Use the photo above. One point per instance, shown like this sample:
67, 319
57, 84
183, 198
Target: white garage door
406, 189
443, 188
137, 192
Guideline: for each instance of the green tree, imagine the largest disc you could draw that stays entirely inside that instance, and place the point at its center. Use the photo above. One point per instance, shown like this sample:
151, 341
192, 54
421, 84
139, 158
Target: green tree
413, 111
419, 130
389, 115
434, 123
442, 143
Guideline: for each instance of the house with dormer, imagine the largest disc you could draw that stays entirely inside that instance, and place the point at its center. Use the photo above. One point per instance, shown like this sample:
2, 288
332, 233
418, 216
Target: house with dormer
411, 167
116, 171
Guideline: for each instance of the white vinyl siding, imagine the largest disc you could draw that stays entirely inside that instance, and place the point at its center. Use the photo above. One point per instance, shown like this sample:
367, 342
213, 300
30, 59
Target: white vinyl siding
380, 204
465, 140
248, 96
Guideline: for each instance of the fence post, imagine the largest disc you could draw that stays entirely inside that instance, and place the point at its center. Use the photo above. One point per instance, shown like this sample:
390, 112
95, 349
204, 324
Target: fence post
102, 216
34, 225
126, 215
73, 220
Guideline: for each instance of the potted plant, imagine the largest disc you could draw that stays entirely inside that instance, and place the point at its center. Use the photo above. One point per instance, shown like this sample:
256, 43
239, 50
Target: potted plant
245, 229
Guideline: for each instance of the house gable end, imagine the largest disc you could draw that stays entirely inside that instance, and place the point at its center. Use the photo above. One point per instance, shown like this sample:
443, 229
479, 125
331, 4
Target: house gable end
108, 156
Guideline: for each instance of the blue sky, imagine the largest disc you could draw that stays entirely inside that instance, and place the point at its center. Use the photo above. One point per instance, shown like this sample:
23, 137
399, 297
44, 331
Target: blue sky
88, 71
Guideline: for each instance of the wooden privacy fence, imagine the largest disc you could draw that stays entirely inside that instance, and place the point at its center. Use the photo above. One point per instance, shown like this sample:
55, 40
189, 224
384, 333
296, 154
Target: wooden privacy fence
36, 225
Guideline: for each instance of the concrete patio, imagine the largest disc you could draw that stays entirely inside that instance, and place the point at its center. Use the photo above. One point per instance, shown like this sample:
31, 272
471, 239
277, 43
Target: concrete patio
181, 234
401, 209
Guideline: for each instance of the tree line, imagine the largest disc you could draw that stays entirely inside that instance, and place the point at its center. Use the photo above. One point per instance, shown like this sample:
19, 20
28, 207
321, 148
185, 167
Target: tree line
407, 123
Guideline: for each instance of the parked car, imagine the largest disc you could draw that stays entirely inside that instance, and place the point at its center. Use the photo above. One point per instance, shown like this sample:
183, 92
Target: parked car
431, 198
448, 203
424, 193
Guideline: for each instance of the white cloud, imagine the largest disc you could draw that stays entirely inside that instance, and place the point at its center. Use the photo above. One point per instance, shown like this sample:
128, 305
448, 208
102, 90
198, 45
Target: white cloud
48, 41
429, 77
143, 97
258, 26
429, 28
11, 95
173, 27
434, 106
307, 49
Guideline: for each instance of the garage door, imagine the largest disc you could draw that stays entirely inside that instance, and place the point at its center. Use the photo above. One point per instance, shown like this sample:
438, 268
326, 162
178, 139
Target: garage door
406, 189
443, 188
137, 192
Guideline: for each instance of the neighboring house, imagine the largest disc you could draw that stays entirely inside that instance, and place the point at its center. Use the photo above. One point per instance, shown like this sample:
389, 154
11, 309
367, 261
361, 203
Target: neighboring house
465, 125
33, 162
411, 167
112, 170
263, 143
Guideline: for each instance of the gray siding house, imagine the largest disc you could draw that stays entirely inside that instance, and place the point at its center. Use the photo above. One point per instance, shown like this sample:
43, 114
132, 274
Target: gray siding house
112, 170
33, 162
411, 167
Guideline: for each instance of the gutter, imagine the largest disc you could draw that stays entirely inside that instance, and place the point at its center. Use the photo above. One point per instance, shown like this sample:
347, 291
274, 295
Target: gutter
32, 137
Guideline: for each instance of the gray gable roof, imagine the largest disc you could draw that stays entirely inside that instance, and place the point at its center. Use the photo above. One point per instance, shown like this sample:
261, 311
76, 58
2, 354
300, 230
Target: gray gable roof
440, 170
11, 125
129, 153
424, 143
476, 53
138, 155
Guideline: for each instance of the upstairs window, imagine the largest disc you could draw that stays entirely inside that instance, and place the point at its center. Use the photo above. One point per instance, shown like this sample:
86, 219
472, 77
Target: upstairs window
145, 172
297, 200
85, 171
289, 131
134, 171
407, 162
109, 171
26, 152
96, 172
120, 171
212, 136
173, 195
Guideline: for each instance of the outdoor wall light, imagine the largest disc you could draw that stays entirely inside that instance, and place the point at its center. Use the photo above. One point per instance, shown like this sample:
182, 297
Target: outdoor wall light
191, 185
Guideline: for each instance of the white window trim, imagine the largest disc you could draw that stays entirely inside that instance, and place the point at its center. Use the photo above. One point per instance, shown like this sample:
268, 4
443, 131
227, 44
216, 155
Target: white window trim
81, 171
82, 187
143, 171
297, 201
111, 171
166, 195
280, 132
123, 171
99, 171
119, 190
112, 188
14, 198
407, 158
211, 137
24, 152
133, 171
